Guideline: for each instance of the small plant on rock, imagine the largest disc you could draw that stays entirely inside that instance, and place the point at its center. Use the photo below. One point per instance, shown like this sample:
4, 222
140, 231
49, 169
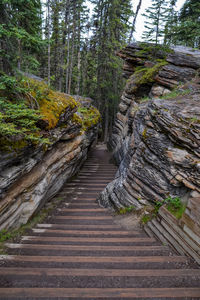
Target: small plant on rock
145, 219
128, 209
175, 206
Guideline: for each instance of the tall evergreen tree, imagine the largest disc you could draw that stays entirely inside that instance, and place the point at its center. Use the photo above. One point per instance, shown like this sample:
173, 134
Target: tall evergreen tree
110, 28
171, 23
157, 16
20, 34
65, 28
187, 31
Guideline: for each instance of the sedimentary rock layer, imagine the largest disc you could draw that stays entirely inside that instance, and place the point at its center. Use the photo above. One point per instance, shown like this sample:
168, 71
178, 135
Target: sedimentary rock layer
156, 139
33, 175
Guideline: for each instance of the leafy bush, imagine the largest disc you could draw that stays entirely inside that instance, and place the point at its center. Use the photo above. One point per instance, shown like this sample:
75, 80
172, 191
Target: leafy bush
173, 204
18, 121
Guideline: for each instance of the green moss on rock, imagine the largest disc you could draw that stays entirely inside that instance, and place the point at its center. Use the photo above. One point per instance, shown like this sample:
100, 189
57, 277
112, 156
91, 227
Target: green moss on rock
147, 75
51, 103
27, 104
90, 117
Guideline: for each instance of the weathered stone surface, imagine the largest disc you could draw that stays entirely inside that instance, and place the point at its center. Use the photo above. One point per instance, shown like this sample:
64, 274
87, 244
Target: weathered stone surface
159, 91
170, 76
156, 143
32, 176
157, 146
185, 57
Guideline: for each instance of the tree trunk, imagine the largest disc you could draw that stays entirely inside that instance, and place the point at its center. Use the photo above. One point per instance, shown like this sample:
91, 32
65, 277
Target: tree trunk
134, 20
19, 55
49, 44
67, 67
79, 54
106, 123
79, 72
72, 48
157, 26
67, 10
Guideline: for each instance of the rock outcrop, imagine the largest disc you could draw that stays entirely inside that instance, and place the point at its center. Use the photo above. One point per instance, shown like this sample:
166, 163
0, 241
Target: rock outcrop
33, 174
156, 142
156, 138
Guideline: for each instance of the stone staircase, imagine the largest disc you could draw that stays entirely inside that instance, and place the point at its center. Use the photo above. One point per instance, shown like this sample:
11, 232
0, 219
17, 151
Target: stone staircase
81, 253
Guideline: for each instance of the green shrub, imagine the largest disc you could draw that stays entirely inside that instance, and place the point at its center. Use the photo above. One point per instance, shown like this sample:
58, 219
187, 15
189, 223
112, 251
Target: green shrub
18, 125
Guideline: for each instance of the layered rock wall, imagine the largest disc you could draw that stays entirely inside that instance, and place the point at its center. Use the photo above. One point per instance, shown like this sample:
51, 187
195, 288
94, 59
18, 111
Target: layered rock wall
156, 139
32, 175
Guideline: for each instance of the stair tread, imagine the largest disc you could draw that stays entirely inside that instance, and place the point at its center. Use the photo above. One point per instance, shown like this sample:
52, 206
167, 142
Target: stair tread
96, 292
114, 259
99, 272
81, 245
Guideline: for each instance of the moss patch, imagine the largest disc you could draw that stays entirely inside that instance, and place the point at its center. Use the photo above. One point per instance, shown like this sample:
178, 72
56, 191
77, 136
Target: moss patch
144, 134
90, 117
146, 75
27, 105
145, 219
176, 212
51, 103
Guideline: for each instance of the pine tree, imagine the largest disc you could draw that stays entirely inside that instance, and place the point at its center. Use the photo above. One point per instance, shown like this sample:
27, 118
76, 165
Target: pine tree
188, 28
171, 23
49, 42
156, 19
110, 28
20, 34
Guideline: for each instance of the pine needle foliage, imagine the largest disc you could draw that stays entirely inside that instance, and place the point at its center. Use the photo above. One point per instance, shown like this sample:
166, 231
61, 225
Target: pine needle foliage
156, 18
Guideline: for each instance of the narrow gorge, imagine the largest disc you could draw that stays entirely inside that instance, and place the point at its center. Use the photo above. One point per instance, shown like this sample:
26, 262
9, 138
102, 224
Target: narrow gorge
115, 232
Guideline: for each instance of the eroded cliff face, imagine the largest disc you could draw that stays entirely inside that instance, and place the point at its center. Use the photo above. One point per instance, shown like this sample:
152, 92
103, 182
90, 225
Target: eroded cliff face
156, 138
33, 174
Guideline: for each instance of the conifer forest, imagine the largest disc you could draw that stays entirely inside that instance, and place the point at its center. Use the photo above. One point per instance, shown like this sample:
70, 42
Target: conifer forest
73, 44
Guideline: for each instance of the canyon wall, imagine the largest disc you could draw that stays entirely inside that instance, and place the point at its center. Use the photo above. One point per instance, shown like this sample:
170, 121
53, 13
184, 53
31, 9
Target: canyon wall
156, 137
33, 174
